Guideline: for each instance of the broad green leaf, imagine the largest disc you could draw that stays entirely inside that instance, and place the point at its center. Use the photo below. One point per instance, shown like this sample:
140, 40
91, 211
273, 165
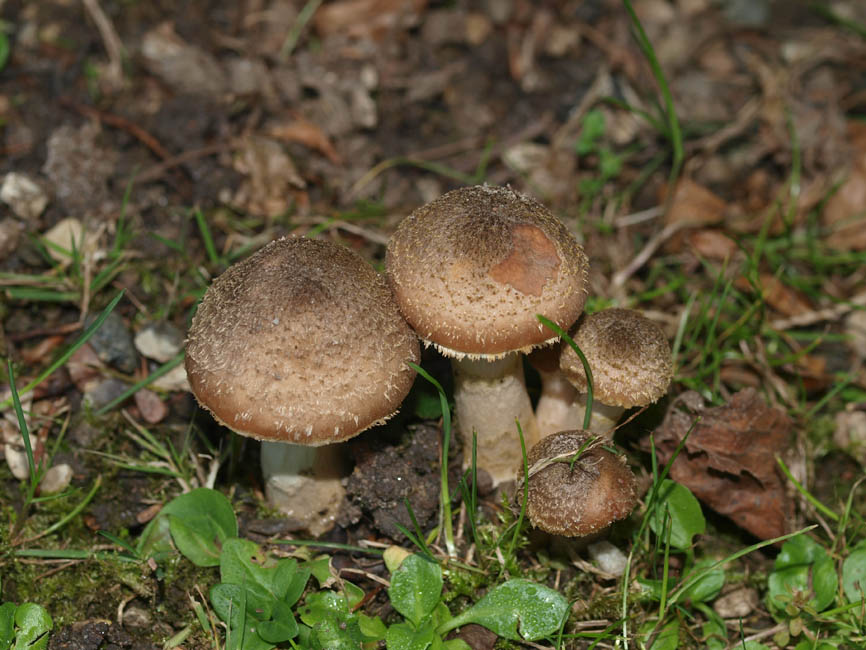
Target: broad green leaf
33, 625
7, 625
372, 626
668, 637
854, 576
242, 562
230, 604
321, 570
686, 519
535, 610
281, 626
416, 588
802, 567
333, 626
709, 585
403, 636
200, 521
456, 644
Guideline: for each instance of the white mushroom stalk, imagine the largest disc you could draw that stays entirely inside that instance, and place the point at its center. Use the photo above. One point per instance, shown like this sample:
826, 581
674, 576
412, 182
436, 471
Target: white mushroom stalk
555, 409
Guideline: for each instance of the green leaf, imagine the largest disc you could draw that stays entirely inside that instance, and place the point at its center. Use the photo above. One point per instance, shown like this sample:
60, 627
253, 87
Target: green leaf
709, 585
592, 129
200, 521
372, 626
535, 609
854, 576
230, 604
333, 626
416, 587
33, 625
242, 562
321, 569
7, 625
802, 569
282, 625
668, 637
713, 632
686, 519
207, 512
403, 636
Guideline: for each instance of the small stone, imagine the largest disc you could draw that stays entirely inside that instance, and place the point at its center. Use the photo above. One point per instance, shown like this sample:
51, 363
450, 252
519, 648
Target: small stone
737, 604
159, 341
23, 195
10, 235
113, 344
151, 407
69, 239
104, 393
137, 618
56, 479
174, 380
180, 64
608, 557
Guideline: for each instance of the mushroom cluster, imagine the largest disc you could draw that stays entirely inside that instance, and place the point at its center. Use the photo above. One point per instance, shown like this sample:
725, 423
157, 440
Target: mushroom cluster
303, 344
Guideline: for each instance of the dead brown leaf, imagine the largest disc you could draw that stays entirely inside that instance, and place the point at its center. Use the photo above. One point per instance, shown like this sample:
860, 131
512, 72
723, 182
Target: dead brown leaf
691, 205
729, 459
370, 19
778, 295
308, 134
712, 244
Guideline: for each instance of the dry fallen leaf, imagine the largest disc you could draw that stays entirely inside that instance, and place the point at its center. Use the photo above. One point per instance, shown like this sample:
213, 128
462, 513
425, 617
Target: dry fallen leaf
729, 459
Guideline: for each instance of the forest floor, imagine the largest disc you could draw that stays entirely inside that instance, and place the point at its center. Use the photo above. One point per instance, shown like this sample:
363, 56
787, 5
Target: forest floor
709, 155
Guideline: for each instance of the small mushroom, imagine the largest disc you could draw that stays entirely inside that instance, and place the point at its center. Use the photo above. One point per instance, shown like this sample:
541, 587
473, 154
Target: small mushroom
630, 360
577, 497
300, 345
470, 271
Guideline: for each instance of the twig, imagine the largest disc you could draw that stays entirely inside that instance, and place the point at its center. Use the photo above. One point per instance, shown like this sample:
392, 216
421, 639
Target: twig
818, 315
621, 276
110, 39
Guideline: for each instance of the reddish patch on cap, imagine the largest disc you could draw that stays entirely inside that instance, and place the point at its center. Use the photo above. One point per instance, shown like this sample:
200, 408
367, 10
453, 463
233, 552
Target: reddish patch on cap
532, 262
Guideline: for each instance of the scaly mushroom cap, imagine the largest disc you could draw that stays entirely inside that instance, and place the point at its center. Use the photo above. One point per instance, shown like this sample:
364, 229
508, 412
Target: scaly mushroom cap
580, 500
628, 354
302, 342
471, 270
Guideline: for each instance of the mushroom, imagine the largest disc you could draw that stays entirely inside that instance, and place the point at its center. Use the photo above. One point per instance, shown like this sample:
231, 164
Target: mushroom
554, 410
630, 360
577, 488
470, 271
300, 345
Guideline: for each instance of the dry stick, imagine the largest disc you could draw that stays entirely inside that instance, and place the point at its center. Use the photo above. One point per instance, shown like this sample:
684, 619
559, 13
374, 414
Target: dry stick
110, 39
818, 315
620, 277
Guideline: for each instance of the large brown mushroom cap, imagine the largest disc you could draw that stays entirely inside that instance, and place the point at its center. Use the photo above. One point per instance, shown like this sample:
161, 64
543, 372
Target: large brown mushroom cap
302, 342
628, 354
471, 270
580, 500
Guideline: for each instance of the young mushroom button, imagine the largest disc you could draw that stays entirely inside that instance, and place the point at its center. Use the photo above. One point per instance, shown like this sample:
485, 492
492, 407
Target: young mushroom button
470, 271
579, 499
300, 345
630, 360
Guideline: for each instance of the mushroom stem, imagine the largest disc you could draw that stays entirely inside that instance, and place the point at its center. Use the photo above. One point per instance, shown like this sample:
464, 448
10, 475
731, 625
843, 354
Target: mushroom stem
304, 482
488, 397
555, 410
604, 417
